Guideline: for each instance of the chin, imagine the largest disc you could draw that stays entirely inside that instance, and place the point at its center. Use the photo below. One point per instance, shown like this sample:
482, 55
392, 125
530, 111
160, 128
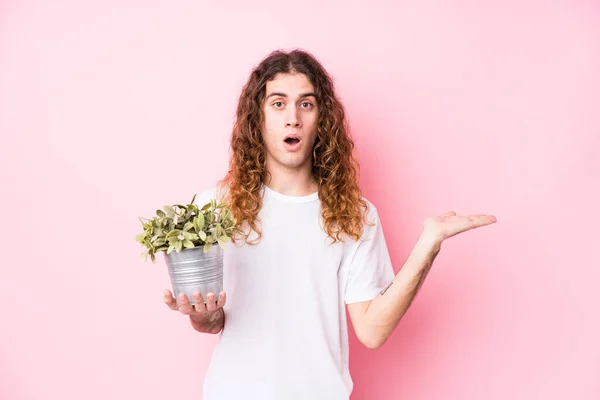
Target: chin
296, 161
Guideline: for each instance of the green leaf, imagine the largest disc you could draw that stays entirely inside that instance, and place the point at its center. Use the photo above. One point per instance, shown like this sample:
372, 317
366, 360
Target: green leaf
210, 218
160, 213
221, 243
178, 246
169, 209
188, 244
199, 222
188, 226
207, 247
170, 249
174, 232
202, 235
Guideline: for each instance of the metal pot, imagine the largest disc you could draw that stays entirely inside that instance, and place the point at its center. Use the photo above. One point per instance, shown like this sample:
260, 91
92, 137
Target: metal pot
192, 270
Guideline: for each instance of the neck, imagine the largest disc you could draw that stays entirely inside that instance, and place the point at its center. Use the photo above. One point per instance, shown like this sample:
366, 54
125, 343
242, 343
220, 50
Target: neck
291, 182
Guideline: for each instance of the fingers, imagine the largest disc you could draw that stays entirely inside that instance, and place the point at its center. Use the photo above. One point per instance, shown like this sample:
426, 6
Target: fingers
199, 302
482, 219
185, 307
222, 299
213, 303
170, 300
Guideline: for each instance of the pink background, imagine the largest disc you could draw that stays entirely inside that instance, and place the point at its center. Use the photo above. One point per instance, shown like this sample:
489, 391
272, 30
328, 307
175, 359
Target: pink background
110, 109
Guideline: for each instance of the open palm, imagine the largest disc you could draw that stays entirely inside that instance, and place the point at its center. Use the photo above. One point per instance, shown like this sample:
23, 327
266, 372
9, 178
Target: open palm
449, 224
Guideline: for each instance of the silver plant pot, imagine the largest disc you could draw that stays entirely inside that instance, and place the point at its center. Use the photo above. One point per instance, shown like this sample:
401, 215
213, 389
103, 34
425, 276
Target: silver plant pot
192, 270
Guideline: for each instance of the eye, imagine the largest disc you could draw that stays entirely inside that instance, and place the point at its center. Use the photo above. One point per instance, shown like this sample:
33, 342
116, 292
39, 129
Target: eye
306, 104
278, 104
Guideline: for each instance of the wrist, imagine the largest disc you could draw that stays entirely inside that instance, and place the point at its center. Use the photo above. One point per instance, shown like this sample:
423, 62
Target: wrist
429, 242
424, 252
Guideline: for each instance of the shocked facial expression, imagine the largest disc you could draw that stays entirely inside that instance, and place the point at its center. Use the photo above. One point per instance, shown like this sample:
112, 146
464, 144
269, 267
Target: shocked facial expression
290, 121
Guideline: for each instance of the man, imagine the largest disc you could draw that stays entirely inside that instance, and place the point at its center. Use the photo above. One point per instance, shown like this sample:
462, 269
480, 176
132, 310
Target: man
311, 245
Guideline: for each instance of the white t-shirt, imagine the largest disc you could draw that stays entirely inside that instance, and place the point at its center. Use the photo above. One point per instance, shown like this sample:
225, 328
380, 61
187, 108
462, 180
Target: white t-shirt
286, 334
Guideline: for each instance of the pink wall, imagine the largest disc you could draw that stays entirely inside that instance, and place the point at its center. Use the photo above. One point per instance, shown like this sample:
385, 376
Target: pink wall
454, 106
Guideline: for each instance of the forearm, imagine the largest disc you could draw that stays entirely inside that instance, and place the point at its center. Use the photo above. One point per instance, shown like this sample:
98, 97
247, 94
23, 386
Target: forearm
214, 324
386, 310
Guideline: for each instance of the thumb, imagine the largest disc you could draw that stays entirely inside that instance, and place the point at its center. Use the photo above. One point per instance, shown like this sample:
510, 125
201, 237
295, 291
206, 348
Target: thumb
448, 214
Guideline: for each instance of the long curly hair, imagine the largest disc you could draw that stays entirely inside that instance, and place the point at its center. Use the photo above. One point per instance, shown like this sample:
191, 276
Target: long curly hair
334, 167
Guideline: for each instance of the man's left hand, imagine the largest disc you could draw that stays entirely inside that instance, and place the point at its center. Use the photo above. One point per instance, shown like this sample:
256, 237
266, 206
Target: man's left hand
442, 227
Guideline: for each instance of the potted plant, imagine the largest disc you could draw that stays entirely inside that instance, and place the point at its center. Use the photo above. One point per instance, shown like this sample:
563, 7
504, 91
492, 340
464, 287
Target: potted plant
192, 240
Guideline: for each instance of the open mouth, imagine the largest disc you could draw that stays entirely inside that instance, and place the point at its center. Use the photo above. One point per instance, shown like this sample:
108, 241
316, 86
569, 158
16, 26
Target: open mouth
291, 140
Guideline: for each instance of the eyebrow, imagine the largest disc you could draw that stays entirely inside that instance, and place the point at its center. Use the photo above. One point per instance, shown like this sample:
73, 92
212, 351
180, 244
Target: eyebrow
302, 95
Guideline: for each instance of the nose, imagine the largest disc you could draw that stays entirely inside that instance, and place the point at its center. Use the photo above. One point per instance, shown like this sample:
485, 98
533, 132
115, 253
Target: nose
292, 118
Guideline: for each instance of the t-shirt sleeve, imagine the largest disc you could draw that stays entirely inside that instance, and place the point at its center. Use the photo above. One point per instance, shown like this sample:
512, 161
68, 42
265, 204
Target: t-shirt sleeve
370, 268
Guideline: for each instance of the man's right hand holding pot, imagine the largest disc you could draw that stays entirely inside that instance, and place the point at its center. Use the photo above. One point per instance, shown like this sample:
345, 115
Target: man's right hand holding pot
205, 318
